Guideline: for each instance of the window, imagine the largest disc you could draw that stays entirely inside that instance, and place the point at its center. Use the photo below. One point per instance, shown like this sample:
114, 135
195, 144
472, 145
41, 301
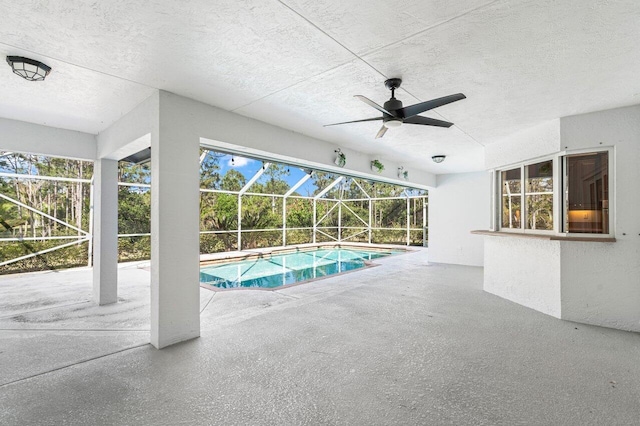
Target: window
532, 183
511, 198
527, 193
587, 189
539, 196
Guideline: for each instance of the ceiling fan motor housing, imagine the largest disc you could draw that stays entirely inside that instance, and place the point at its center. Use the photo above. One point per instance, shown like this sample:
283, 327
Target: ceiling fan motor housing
392, 104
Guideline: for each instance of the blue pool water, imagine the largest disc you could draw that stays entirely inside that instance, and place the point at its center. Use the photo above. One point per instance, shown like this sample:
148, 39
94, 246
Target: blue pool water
288, 268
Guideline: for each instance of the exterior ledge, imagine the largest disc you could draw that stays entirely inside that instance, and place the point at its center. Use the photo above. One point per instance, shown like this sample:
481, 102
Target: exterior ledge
544, 236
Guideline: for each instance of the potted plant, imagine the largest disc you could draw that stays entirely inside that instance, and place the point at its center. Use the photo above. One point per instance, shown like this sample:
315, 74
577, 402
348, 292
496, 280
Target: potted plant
377, 166
341, 159
402, 173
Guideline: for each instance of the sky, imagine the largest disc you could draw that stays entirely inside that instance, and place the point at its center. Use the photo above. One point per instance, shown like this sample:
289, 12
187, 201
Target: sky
249, 167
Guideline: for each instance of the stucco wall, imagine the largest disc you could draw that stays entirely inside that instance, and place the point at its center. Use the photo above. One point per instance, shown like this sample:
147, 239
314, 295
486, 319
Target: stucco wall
527, 144
20, 136
132, 132
601, 281
525, 271
601, 284
460, 203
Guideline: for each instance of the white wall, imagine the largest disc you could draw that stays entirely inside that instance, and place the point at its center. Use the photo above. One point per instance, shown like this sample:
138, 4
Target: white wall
524, 270
460, 203
131, 133
601, 284
20, 136
527, 144
601, 281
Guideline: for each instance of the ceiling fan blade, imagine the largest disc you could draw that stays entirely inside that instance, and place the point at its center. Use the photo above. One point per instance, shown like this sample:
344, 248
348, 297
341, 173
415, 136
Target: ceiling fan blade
355, 121
381, 132
427, 121
415, 109
373, 104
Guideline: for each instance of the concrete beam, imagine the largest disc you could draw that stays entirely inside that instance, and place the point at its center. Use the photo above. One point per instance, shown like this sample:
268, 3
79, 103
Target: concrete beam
131, 133
231, 132
20, 136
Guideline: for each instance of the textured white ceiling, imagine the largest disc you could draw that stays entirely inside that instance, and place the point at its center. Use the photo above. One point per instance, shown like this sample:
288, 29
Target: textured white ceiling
71, 97
298, 63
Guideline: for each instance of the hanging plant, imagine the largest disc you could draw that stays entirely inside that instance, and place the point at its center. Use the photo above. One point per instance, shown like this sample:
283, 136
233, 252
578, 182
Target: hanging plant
377, 166
341, 159
402, 173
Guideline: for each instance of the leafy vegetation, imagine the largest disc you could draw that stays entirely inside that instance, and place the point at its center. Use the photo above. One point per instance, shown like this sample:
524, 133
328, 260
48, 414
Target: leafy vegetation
262, 207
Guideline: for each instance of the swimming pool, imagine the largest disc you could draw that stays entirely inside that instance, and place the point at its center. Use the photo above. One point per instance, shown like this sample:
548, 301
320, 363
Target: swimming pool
288, 268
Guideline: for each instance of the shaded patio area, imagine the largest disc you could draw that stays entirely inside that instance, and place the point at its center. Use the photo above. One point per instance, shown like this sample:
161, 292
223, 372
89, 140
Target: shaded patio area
425, 346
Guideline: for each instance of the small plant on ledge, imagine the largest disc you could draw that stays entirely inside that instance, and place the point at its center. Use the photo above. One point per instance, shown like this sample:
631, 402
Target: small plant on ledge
402, 173
377, 166
341, 159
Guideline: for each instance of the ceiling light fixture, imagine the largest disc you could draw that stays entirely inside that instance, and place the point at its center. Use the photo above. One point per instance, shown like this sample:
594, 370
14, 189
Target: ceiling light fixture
438, 158
29, 69
392, 123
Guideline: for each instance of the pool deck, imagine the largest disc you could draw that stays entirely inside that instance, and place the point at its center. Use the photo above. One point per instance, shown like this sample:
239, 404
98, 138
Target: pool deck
424, 346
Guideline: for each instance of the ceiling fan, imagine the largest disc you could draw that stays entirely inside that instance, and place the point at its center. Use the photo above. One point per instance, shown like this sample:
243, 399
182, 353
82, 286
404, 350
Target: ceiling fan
394, 114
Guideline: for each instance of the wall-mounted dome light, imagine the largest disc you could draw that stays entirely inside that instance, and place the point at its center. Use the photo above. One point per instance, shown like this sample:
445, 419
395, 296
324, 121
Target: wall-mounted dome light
438, 158
29, 69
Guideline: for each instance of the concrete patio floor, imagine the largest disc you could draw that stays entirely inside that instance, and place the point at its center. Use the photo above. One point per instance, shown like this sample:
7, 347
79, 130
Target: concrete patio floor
406, 342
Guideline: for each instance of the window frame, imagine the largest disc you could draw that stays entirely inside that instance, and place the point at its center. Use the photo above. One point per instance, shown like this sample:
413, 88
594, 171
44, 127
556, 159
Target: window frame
610, 188
523, 198
560, 196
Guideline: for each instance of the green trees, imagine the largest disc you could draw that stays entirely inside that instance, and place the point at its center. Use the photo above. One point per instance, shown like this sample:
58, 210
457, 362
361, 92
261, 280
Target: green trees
299, 215
134, 211
66, 201
258, 211
219, 211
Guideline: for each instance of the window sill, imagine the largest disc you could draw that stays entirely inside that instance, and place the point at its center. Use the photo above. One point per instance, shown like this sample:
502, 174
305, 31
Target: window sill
545, 236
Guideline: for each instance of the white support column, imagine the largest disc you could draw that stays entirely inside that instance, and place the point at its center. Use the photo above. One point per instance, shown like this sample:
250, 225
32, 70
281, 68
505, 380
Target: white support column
175, 223
105, 232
